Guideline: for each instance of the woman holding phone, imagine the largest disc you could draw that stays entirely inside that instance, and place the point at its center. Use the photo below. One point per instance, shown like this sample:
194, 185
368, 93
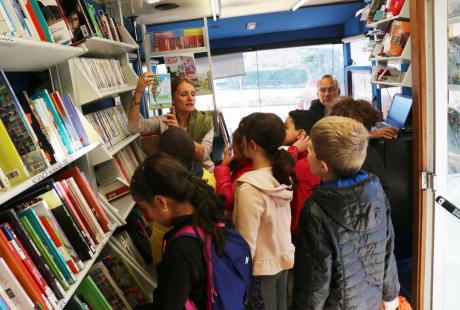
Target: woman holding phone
183, 115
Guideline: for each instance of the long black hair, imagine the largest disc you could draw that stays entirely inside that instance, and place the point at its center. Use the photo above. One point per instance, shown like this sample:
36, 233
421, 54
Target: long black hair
160, 174
267, 131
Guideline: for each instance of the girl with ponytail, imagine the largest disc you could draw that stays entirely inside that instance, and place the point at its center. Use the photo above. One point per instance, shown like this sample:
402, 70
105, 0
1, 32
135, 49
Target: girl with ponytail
173, 197
262, 211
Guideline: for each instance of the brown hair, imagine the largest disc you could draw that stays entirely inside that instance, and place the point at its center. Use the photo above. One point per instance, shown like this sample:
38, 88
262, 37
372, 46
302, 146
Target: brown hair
175, 82
360, 110
341, 142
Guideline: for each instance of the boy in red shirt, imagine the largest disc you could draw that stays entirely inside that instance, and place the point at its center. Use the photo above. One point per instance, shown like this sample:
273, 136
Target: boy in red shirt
298, 125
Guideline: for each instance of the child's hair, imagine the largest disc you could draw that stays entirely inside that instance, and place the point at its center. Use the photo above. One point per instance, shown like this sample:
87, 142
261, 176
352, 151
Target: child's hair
303, 119
341, 142
360, 110
267, 131
175, 82
160, 174
236, 140
177, 143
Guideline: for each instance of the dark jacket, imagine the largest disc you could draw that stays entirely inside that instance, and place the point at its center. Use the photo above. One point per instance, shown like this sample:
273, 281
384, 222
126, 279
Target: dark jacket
344, 256
374, 164
318, 109
181, 273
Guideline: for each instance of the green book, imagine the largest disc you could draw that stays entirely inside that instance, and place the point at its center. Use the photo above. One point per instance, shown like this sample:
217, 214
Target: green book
46, 256
92, 295
92, 16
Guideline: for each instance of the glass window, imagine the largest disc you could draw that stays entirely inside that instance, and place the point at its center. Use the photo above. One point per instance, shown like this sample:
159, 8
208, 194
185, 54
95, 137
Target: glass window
361, 87
360, 53
277, 81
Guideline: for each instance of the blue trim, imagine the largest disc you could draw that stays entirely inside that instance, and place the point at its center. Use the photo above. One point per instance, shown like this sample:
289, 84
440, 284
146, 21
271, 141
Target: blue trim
358, 178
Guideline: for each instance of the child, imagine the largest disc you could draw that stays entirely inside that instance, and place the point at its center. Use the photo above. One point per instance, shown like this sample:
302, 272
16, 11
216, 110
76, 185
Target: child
344, 255
262, 212
173, 197
363, 112
230, 169
298, 125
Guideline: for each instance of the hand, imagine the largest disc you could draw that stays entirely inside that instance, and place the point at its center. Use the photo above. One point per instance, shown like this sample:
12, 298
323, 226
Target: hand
302, 143
145, 80
390, 305
228, 157
171, 119
386, 133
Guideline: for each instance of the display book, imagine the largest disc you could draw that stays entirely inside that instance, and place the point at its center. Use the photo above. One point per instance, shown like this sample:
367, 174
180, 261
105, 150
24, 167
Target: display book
390, 47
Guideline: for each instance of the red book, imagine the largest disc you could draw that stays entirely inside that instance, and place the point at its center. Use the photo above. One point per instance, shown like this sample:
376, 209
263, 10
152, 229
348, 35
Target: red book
21, 273
80, 212
35, 21
88, 193
122, 167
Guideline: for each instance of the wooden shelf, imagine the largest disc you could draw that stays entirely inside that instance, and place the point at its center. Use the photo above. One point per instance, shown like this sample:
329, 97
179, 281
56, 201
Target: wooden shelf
82, 274
383, 23
18, 54
178, 52
124, 205
16, 190
103, 153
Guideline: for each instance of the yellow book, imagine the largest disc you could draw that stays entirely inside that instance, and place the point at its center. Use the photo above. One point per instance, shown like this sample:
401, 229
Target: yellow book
193, 32
10, 161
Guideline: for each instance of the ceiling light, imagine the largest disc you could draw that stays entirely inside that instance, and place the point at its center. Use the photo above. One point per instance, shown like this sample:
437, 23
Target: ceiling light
298, 4
213, 9
251, 26
152, 1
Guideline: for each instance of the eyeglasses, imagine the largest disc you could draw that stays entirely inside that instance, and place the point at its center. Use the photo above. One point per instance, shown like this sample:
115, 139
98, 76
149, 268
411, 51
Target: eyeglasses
331, 90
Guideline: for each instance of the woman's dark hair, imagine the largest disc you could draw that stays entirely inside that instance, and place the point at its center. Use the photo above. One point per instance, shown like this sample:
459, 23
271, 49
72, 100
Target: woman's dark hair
175, 82
160, 174
236, 138
267, 131
179, 144
360, 110
303, 119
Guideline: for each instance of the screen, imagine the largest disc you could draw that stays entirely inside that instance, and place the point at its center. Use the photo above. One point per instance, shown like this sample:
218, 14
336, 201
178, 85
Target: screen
399, 110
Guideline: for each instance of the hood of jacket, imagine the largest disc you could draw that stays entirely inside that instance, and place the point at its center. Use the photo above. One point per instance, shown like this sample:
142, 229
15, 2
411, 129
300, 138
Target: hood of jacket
263, 180
359, 207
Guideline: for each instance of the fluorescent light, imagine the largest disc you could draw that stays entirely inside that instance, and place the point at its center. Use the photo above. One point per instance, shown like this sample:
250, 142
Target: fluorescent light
298, 4
152, 1
213, 8
251, 26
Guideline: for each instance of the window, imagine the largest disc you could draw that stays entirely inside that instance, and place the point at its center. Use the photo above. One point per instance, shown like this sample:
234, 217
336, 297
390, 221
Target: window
359, 53
277, 81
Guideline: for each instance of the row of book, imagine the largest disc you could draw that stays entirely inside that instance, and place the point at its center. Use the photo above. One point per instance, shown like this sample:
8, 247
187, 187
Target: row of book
105, 74
111, 124
113, 176
58, 21
36, 132
46, 234
392, 42
176, 39
383, 9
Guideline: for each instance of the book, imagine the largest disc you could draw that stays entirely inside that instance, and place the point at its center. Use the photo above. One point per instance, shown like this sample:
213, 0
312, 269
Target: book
89, 291
6, 26
395, 7
18, 128
109, 288
5, 301
20, 28
75, 303
93, 17
55, 20
75, 118
375, 6
181, 66
160, 93
10, 217
399, 32
177, 39
35, 6
77, 20
21, 273
13, 288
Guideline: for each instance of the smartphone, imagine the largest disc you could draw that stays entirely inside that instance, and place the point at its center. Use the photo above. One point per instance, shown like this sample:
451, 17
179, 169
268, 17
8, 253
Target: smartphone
446, 204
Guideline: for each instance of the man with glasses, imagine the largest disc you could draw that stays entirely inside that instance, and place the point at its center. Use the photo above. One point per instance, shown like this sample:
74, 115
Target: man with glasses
328, 90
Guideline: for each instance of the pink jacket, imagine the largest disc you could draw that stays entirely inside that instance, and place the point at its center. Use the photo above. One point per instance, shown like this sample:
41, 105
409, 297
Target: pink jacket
262, 215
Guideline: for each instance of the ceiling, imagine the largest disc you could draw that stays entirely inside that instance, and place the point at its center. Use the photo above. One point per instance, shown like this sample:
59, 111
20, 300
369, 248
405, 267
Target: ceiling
194, 9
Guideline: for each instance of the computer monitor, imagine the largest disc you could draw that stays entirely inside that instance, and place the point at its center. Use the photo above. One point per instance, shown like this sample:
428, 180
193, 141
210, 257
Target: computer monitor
399, 110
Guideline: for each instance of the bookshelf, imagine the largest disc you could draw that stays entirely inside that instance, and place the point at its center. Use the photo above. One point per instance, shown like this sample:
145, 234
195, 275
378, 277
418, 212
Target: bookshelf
81, 275
178, 52
124, 205
405, 57
383, 23
18, 54
103, 153
105, 48
16, 190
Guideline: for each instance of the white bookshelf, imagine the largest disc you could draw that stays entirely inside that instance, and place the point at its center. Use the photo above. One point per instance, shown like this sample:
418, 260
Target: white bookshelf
383, 23
18, 54
183, 51
82, 274
124, 205
16, 190
406, 81
404, 58
103, 153
105, 48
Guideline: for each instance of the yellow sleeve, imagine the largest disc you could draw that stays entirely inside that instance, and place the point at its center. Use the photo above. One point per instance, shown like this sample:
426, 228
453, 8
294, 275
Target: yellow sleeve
209, 178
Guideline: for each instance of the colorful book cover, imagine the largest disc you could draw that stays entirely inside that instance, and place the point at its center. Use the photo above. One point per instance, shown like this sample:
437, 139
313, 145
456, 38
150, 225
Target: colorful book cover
75, 118
92, 295
93, 18
10, 217
27, 4
395, 7
77, 20
10, 161
13, 288
376, 5
41, 19
6, 26
399, 32
19, 17
160, 93
177, 39
56, 21
64, 135
18, 128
